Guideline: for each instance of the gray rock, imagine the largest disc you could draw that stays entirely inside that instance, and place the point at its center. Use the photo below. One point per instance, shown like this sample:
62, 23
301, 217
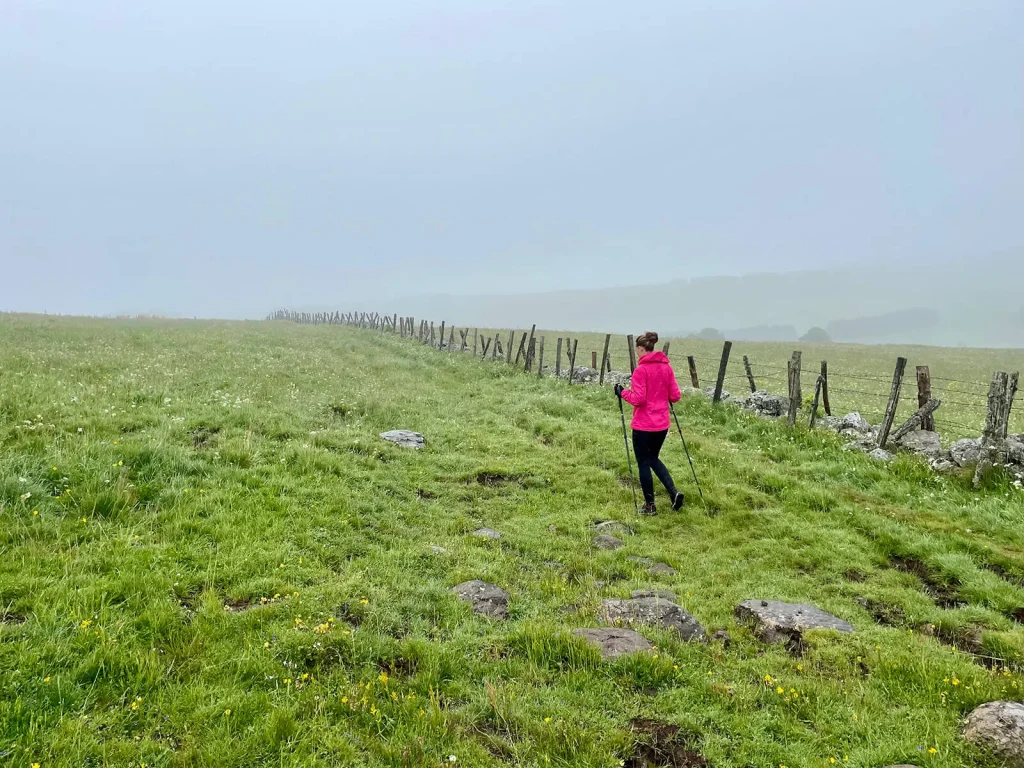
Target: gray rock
662, 569
880, 454
828, 422
486, 599
723, 637
1015, 449
640, 560
487, 533
655, 611
404, 438
613, 642
856, 422
966, 452
661, 594
607, 542
943, 463
921, 442
710, 392
439, 550
599, 584
613, 528
859, 446
776, 622
765, 404
998, 729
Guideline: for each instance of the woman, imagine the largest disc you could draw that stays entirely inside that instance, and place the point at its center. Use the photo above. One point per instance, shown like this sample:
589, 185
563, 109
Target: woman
653, 388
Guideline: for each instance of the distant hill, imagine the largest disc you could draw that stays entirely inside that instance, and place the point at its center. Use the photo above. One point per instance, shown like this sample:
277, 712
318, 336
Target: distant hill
976, 304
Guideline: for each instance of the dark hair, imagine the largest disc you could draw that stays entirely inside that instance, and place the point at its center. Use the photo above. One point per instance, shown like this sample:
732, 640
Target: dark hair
647, 341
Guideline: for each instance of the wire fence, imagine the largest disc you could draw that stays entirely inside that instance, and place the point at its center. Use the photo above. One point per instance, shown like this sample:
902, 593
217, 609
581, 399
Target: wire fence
964, 401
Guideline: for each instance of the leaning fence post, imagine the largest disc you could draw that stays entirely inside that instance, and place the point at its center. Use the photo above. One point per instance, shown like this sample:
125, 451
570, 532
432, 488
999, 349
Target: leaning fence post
604, 357
531, 350
824, 388
572, 359
924, 394
894, 400
540, 359
632, 354
814, 406
664, 347
722, 366
464, 334
558, 358
497, 346
693, 371
511, 341
451, 340
793, 375
521, 352
750, 375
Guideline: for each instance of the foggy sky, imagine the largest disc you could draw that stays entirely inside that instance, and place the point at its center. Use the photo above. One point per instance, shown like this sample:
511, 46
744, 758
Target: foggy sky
227, 158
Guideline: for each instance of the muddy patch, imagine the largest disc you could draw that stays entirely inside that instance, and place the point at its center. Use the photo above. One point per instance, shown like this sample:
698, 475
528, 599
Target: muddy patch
11, 619
1006, 573
498, 479
662, 745
425, 494
883, 613
237, 605
855, 575
201, 436
944, 594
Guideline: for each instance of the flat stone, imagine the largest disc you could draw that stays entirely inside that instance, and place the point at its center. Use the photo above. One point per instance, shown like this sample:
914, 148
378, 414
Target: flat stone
486, 599
943, 464
654, 611
607, 542
765, 404
922, 442
880, 454
998, 729
661, 594
661, 569
404, 438
613, 528
776, 622
487, 533
613, 642
640, 560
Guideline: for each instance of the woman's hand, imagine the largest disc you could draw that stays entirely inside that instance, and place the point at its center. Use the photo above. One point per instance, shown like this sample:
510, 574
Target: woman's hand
618, 391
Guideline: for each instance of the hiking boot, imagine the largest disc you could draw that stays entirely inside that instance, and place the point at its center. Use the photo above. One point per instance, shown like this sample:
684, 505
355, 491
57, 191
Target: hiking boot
648, 509
677, 501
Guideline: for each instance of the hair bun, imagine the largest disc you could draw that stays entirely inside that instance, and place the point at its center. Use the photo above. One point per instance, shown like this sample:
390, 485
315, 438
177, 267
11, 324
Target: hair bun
652, 336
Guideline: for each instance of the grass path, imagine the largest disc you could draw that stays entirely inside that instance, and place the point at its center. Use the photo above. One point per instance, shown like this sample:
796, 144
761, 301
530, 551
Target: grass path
228, 567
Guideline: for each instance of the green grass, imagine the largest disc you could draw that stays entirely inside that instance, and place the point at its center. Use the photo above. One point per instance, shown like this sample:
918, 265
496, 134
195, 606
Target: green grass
178, 468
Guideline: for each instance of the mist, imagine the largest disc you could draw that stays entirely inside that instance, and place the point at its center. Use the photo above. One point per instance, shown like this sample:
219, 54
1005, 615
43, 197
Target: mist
482, 158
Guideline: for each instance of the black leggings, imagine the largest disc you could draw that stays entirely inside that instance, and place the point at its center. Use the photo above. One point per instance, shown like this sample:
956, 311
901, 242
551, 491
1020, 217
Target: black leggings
647, 446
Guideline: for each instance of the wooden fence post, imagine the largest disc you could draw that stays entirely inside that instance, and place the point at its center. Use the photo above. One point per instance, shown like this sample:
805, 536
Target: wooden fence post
824, 388
722, 366
693, 371
664, 348
465, 336
604, 357
540, 359
432, 341
993, 438
924, 394
484, 348
593, 359
511, 341
394, 323
814, 406
497, 347
451, 340
894, 400
531, 350
442, 335
558, 358
476, 336
608, 363
750, 375
793, 376
915, 421
632, 354
521, 352
529, 344
572, 359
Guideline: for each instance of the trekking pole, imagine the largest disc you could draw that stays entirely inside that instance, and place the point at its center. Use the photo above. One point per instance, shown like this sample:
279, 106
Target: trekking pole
688, 457
629, 460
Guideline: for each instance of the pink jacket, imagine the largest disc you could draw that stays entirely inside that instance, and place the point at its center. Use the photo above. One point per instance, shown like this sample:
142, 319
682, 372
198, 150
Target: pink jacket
653, 388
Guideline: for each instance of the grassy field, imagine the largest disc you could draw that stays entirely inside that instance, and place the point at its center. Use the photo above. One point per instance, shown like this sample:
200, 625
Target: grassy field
209, 558
860, 375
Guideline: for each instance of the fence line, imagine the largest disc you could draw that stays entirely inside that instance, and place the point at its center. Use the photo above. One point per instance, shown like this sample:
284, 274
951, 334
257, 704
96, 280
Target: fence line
827, 386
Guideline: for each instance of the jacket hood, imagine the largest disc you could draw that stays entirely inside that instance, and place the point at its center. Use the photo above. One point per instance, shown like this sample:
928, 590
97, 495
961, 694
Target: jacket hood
654, 357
